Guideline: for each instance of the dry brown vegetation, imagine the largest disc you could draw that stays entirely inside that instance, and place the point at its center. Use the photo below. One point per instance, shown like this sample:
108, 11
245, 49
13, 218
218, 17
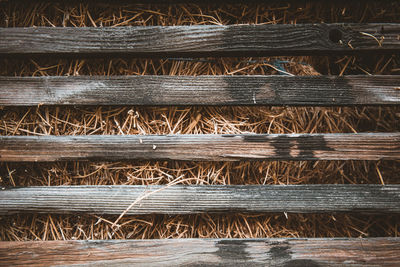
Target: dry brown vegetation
196, 120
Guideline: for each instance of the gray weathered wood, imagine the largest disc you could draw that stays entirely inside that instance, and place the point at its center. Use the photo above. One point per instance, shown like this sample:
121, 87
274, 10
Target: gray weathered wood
189, 199
208, 147
202, 40
201, 90
205, 252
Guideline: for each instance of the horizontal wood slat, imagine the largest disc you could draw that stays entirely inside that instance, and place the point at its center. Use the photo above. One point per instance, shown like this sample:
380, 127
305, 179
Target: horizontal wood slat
189, 199
202, 40
201, 90
209, 147
206, 252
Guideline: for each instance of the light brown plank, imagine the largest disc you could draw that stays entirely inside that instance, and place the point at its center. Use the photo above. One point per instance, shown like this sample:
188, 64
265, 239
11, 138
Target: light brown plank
208, 252
362, 146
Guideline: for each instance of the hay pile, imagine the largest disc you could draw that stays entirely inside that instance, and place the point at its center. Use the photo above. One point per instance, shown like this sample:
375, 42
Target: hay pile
197, 120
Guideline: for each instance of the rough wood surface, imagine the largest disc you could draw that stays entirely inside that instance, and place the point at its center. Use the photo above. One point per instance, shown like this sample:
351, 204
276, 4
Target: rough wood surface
206, 252
190, 199
202, 40
201, 90
208, 147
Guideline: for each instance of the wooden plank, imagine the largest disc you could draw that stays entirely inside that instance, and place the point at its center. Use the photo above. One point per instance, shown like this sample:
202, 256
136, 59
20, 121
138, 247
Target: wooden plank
206, 252
201, 90
208, 147
202, 40
190, 199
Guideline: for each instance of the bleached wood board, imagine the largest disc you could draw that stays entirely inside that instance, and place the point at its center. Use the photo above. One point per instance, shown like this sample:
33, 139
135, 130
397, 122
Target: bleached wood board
191, 199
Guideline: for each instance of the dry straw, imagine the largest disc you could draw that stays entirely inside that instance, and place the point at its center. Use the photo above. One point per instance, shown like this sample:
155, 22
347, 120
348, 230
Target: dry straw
196, 120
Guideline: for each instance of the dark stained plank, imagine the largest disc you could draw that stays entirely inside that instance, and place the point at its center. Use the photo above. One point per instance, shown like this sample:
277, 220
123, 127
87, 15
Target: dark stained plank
209, 147
206, 252
202, 40
191, 199
201, 90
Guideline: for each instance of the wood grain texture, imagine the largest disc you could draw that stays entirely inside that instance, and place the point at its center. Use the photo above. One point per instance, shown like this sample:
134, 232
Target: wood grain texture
202, 40
191, 199
201, 90
208, 147
206, 252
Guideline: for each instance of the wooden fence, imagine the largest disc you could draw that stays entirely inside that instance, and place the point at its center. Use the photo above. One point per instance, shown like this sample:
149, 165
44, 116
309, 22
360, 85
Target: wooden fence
196, 41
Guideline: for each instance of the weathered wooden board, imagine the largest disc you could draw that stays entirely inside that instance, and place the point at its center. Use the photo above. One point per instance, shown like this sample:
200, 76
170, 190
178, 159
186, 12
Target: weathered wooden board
208, 147
205, 252
201, 90
202, 40
189, 199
